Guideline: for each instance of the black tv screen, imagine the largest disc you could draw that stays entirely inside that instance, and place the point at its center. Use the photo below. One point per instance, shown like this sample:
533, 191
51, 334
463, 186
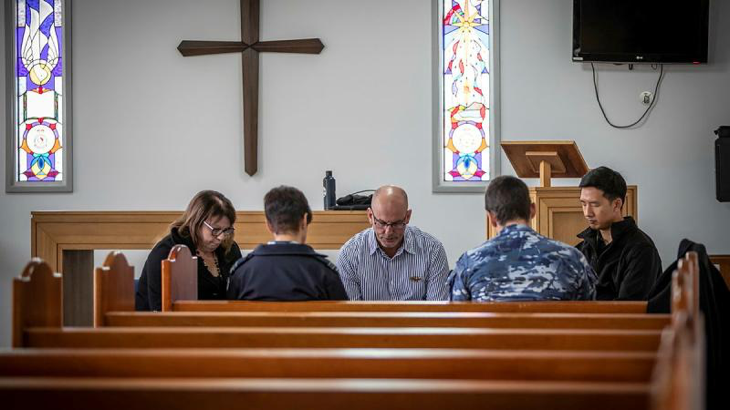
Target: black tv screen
640, 31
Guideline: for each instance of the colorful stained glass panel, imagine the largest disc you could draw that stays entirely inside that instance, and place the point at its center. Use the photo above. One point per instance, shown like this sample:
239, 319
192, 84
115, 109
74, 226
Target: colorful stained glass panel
465, 85
39, 81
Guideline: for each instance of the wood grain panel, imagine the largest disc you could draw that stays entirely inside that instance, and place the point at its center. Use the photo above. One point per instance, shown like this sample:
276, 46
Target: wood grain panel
52, 232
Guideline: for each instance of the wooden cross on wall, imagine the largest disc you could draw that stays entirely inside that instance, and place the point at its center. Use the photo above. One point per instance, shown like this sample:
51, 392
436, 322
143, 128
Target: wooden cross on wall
249, 47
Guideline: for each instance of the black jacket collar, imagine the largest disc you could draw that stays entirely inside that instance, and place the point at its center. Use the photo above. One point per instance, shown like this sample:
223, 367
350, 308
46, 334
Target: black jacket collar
284, 248
618, 230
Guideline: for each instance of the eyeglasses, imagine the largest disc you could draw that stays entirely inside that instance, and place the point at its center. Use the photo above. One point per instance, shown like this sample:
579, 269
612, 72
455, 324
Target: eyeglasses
218, 231
380, 224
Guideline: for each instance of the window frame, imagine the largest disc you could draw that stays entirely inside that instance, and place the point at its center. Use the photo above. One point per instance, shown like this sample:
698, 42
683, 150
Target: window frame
439, 184
12, 185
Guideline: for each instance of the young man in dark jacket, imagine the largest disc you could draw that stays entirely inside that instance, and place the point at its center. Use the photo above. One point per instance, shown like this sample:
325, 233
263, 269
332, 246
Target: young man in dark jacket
286, 268
623, 256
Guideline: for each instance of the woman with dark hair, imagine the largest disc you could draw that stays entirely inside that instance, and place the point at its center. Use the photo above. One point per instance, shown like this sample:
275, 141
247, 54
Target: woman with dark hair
206, 228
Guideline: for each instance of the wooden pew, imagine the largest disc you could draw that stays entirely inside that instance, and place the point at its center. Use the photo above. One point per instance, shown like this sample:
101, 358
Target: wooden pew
678, 379
37, 299
179, 278
330, 363
136, 391
336, 337
113, 287
628, 368
353, 394
466, 338
411, 306
390, 319
426, 337
180, 270
179, 275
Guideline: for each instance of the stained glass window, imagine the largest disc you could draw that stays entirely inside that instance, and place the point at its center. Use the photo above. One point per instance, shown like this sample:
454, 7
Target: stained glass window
465, 88
39, 130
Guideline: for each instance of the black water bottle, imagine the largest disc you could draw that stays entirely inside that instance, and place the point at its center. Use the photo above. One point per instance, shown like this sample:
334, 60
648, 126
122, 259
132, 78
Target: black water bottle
328, 183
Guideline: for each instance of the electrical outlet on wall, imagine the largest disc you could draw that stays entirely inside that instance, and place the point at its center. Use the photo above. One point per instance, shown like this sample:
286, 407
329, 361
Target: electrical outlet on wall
646, 97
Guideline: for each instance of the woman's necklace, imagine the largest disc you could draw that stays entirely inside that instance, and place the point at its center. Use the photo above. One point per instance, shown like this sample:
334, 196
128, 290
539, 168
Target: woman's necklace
210, 262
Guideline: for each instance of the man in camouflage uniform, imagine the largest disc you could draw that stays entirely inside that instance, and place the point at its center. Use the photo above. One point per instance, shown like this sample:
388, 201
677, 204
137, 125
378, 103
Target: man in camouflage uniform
518, 263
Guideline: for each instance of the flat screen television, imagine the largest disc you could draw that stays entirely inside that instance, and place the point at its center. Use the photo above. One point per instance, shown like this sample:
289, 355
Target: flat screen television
640, 31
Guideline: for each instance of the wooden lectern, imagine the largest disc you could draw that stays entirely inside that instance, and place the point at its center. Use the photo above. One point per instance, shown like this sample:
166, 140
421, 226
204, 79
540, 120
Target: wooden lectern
559, 214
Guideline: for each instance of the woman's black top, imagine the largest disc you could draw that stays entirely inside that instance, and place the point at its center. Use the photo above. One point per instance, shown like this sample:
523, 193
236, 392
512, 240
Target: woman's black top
149, 290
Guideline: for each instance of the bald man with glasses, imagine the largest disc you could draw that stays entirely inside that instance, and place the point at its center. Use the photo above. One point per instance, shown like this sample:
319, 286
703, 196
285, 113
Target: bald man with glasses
393, 260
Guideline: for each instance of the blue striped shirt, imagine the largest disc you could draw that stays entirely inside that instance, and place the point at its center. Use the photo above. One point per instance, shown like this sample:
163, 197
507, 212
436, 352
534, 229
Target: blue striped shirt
418, 271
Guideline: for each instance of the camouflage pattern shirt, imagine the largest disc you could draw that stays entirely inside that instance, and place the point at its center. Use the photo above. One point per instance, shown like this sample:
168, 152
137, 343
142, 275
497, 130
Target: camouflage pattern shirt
520, 264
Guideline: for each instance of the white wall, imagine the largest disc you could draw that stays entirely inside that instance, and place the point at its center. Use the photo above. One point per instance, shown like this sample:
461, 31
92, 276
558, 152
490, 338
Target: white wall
152, 128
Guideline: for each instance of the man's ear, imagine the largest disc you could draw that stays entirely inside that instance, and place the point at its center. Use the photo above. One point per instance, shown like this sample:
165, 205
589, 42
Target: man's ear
270, 228
408, 216
492, 219
370, 216
303, 223
533, 211
617, 203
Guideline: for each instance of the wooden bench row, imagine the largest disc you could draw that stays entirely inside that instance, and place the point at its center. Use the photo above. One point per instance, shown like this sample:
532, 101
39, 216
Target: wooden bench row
622, 321
114, 303
353, 377
179, 291
290, 337
407, 363
319, 394
313, 329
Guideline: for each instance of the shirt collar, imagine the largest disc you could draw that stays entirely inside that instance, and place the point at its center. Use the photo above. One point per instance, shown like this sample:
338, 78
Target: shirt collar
409, 242
514, 228
372, 242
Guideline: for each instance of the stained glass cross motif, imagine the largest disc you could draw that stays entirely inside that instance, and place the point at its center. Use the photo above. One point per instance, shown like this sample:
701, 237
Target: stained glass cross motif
249, 47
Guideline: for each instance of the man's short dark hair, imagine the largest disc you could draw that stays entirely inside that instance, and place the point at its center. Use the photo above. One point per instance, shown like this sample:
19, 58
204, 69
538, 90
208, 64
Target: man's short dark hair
508, 198
284, 207
607, 180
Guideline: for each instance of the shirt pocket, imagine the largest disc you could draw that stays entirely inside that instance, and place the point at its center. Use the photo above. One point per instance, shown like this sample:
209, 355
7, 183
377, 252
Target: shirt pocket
415, 286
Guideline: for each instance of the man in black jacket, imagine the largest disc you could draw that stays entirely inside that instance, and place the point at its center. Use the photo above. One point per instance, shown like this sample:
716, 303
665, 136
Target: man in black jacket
623, 256
286, 269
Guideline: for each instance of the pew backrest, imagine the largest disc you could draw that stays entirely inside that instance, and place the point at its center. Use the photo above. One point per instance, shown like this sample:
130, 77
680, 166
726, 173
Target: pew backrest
678, 380
410, 306
179, 277
37, 299
686, 288
113, 287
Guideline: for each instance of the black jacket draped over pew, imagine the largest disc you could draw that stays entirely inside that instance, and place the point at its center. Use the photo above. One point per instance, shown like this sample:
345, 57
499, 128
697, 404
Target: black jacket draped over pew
715, 305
